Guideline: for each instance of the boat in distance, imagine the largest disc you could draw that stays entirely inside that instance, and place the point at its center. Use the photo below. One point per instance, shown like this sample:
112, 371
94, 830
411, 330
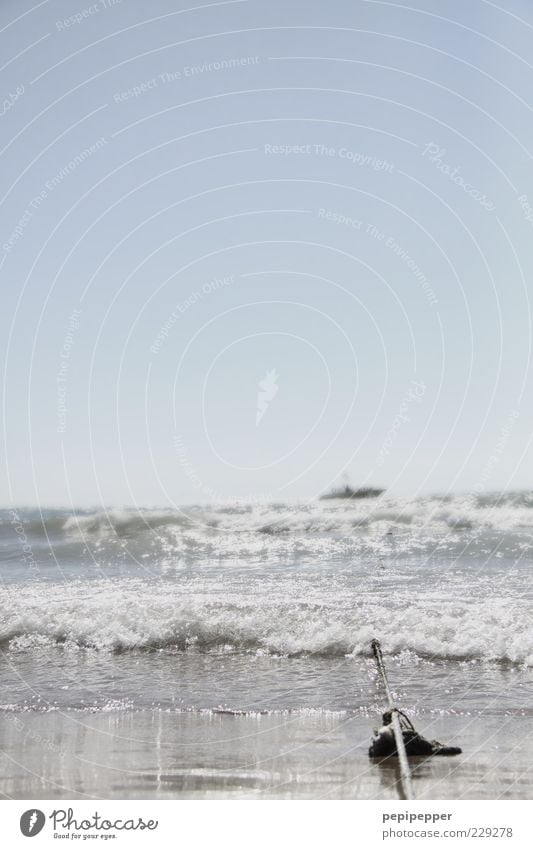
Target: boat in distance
347, 492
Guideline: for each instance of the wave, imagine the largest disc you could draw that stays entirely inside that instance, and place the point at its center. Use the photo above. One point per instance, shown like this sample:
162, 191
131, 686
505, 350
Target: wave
369, 528
137, 615
428, 515
98, 523
500, 512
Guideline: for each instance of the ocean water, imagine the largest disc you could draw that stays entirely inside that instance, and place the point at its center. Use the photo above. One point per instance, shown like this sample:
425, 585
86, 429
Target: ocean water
270, 608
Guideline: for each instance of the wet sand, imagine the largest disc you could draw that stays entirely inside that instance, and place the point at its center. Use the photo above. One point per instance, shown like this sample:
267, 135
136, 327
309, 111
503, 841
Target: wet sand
163, 755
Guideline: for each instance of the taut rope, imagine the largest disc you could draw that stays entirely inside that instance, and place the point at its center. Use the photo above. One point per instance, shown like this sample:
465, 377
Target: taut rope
405, 772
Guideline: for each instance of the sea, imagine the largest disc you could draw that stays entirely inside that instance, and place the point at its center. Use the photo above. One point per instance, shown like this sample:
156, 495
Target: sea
261, 608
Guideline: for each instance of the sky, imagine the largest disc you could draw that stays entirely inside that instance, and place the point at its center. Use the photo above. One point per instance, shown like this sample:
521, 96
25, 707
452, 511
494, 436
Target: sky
249, 247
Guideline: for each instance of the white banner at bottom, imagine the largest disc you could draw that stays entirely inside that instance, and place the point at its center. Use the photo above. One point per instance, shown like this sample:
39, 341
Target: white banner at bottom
265, 824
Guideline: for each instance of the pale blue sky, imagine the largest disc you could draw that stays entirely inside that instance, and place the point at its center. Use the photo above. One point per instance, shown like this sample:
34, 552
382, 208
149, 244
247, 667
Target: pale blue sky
201, 238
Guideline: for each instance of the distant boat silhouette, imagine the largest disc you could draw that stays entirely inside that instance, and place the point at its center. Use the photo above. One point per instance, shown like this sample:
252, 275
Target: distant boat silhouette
346, 491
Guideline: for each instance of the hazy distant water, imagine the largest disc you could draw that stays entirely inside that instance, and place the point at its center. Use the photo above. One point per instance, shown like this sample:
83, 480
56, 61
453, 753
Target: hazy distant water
270, 607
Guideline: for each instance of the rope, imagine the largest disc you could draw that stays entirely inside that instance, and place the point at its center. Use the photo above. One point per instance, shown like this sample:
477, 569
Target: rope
405, 772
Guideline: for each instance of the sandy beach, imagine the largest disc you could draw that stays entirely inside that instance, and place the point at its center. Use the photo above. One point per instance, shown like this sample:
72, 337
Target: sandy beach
128, 755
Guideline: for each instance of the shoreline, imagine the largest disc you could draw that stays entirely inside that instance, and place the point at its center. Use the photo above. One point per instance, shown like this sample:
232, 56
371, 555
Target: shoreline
164, 755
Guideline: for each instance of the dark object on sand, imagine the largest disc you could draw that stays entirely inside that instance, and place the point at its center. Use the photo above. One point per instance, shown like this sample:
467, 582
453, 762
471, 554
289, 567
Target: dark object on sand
397, 735
384, 743
348, 492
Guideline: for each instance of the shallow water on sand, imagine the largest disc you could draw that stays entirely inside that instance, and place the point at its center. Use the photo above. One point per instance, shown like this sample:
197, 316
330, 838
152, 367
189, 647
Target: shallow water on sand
167, 756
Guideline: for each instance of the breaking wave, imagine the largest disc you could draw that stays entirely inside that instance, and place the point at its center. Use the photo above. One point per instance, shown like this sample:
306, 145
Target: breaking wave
135, 615
502, 512
320, 527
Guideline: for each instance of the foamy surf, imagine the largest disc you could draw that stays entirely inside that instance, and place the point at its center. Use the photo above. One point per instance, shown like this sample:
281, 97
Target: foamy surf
269, 607
367, 527
289, 620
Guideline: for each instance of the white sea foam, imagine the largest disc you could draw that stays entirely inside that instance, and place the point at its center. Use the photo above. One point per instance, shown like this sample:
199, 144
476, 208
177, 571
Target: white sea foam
500, 511
318, 528
286, 619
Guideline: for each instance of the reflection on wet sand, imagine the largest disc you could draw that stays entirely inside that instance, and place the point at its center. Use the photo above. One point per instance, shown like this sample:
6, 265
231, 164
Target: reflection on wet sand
168, 755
